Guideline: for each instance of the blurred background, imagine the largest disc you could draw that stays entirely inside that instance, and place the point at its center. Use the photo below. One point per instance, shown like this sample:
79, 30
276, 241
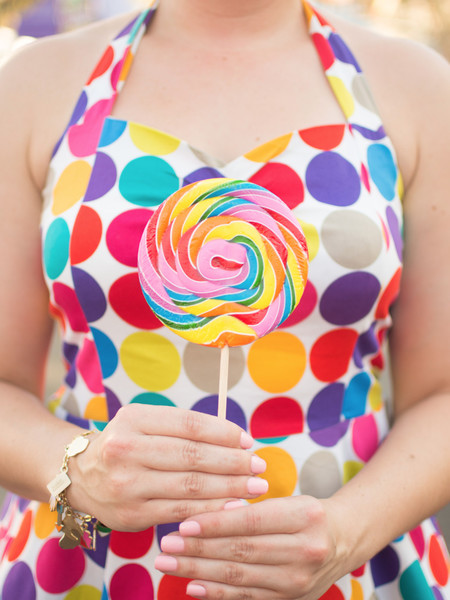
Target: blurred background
427, 21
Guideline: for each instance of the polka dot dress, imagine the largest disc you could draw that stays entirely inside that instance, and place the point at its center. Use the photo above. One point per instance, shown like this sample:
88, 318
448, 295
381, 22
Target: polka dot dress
309, 392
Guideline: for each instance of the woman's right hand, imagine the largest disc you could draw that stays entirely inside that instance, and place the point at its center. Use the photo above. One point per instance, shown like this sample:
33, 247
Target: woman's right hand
158, 464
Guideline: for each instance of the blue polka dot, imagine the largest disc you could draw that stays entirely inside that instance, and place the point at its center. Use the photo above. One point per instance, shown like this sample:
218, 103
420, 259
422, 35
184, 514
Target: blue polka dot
112, 130
382, 169
355, 396
107, 352
56, 248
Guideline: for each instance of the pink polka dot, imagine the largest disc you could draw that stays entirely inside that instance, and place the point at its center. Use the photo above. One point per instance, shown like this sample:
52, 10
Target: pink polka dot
172, 588
127, 299
277, 417
131, 581
365, 177
19, 541
282, 181
331, 354
418, 540
124, 234
86, 235
66, 299
324, 50
131, 545
58, 570
304, 308
365, 437
89, 366
83, 138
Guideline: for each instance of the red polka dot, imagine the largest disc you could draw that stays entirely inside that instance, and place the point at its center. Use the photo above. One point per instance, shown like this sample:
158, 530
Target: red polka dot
66, 300
331, 354
386, 236
57, 315
131, 545
131, 581
277, 417
124, 234
418, 540
334, 593
86, 235
282, 181
326, 137
438, 561
378, 360
304, 308
103, 64
324, 50
58, 570
389, 295
359, 572
127, 299
19, 541
365, 437
173, 587
88, 365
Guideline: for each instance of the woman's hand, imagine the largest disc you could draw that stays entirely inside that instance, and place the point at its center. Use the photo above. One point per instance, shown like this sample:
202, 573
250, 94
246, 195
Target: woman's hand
283, 548
157, 464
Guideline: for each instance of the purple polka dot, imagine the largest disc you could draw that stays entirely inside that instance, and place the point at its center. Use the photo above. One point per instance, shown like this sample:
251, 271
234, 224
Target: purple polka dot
395, 230
83, 423
341, 51
127, 29
370, 134
437, 594
6, 504
71, 376
200, 174
165, 529
19, 583
103, 177
79, 109
349, 298
332, 179
367, 344
23, 503
112, 402
101, 550
325, 408
70, 352
89, 293
385, 566
330, 436
235, 413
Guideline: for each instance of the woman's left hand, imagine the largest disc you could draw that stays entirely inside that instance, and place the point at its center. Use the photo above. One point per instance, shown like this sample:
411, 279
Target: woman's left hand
282, 548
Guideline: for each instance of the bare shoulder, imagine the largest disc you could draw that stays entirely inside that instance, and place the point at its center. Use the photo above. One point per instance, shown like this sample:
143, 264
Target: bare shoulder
40, 83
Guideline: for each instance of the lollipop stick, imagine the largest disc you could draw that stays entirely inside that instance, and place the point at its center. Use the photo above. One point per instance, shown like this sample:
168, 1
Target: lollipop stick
223, 382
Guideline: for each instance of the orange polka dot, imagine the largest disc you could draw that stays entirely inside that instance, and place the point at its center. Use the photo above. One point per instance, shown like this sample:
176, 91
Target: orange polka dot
438, 562
281, 473
96, 409
18, 543
44, 521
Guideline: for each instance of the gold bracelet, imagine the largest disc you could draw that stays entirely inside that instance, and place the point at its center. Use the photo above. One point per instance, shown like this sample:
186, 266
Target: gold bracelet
77, 528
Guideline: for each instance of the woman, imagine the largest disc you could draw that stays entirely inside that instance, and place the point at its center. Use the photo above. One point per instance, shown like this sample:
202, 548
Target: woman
267, 91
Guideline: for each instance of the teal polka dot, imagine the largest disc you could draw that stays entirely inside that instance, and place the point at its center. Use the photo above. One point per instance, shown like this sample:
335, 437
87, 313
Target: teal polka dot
153, 399
382, 169
148, 181
355, 396
107, 352
413, 585
56, 248
271, 440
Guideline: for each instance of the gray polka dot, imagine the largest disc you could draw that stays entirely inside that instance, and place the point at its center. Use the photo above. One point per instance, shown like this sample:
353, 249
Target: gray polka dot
351, 238
71, 405
363, 94
320, 475
202, 365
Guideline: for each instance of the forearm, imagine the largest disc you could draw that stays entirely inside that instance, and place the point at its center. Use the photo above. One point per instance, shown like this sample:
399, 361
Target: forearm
391, 494
31, 444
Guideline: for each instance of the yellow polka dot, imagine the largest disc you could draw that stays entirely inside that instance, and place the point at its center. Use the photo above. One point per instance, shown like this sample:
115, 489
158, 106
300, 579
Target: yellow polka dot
344, 97
312, 238
71, 186
357, 591
375, 396
152, 141
350, 469
96, 409
44, 521
400, 186
83, 592
281, 473
277, 361
150, 360
269, 150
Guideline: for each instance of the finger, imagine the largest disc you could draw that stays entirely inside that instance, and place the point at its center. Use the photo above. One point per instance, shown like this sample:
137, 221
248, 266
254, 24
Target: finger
210, 590
251, 549
186, 424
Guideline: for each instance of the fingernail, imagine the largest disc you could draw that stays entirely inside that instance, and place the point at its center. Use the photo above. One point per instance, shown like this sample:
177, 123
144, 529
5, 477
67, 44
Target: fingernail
246, 440
233, 504
258, 465
193, 589
166, 563
190, 528
172, 543
257, 486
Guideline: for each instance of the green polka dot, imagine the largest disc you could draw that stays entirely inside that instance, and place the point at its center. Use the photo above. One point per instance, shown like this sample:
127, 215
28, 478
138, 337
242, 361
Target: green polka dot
413, 585
153, 399
148, 181
56, 248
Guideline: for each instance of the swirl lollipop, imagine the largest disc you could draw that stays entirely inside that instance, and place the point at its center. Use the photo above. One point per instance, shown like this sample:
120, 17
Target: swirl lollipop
223, 262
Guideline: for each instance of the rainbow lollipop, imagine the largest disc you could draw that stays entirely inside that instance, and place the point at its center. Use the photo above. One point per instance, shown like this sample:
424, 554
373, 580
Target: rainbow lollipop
223, 262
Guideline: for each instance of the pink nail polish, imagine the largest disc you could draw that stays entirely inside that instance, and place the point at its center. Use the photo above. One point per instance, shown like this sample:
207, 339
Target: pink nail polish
257, 486
166, 563
193, 589
233, 504
246, 440
258, 465
189, 528
172, 543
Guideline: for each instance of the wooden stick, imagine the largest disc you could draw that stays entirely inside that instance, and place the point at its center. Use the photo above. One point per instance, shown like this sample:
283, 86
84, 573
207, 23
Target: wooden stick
223, 382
